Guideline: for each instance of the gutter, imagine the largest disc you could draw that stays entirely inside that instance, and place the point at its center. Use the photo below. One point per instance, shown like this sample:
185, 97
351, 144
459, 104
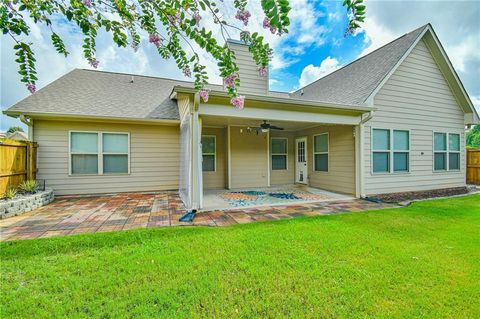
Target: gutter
272, 99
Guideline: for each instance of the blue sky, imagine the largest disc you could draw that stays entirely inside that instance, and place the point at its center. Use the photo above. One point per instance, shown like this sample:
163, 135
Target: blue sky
314, 46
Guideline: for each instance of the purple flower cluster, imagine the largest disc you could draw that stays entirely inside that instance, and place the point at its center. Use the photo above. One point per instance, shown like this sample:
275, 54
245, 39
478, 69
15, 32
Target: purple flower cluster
187, 72
238, 101
155, 39
87, 3
10, 5
204, 94
94, 62
263, 71
266, 25
230, 80
174, 18
197, 17
31, 87
243, 15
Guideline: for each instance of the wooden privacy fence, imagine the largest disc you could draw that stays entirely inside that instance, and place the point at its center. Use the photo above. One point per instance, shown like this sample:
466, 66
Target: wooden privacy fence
473, 166
18, 162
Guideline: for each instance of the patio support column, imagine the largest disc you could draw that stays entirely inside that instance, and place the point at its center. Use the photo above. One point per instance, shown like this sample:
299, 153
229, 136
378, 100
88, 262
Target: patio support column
358, 131
197, 179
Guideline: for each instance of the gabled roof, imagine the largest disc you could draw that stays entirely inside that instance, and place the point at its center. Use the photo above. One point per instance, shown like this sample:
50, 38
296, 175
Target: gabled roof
103, 94
354, 83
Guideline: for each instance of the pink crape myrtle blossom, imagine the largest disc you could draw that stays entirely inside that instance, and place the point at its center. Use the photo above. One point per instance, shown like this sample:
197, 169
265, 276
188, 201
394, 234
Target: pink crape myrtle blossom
94, 62
174, 18
263, 71
243, 15
87, 3
266, 25
204, 94
230, 80
155, 39
238, 102
187, 72
31, 87
197, 17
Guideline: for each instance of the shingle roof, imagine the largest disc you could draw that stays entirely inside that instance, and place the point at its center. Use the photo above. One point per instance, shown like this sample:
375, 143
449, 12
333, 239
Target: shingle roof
354, 83
105, 94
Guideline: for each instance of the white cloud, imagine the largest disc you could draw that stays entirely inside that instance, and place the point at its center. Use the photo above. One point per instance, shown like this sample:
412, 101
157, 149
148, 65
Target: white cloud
312, 73
376, 35
467, 50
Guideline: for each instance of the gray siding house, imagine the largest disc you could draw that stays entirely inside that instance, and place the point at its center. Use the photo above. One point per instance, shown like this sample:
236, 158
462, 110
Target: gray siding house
392, 121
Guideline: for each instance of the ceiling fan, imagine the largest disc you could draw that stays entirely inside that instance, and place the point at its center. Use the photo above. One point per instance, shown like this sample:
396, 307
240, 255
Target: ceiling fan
265, 127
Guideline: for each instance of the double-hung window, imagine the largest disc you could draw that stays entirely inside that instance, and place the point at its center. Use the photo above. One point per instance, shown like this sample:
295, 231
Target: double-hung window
446, 152
390, 151
320, 152
279, 153
99, 153
208, 153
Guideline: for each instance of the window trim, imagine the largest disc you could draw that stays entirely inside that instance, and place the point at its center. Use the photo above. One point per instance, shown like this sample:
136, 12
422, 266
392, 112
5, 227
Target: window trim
272, 153
318, 153
214, 153
447, 152
99, 153
391, 152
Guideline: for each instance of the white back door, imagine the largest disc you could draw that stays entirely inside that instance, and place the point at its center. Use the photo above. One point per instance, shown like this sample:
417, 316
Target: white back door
301, 167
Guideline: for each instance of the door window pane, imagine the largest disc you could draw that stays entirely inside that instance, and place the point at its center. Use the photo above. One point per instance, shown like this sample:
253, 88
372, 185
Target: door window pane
84, 164
440, 141
440, 161
381, 139
208, 164
81, 142
321, 162
115, 143
279, 146
454, 142
454, 161
400, 162
321, 143
381, 162
400, 141
208, 144
115, 163
279, 162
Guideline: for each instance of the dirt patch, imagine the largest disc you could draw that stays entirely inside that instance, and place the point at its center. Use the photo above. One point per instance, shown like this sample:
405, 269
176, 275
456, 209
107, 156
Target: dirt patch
407, 196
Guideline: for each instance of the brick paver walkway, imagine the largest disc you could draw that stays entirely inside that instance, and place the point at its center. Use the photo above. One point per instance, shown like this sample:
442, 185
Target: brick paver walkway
76, 215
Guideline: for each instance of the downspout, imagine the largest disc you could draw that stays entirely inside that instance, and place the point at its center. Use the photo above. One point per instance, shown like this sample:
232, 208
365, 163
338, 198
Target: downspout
361, 149
29, 123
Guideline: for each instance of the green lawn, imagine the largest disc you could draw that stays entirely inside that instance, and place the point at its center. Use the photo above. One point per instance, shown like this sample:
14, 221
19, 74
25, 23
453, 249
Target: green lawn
420, 261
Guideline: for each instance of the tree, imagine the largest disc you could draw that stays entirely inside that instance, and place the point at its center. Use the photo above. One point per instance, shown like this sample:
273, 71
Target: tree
473, 137
14, 129
170, 25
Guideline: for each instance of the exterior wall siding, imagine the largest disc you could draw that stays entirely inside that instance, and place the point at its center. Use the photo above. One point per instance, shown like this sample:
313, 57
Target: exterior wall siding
341, 173
416, 98
154, 158
251, 81
249, 158
217, 179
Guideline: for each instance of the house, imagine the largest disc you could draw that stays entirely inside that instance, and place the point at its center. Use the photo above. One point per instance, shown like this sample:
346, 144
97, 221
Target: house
18, 135
391, 121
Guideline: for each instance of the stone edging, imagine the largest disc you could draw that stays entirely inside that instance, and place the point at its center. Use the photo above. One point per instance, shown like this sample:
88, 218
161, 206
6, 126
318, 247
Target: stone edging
26, 203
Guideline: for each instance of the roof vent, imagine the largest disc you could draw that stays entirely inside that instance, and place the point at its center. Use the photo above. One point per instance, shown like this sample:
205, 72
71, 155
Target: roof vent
301, 92
131, 80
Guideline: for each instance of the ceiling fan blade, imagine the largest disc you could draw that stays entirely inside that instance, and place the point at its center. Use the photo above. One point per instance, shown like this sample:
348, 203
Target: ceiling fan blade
276, 127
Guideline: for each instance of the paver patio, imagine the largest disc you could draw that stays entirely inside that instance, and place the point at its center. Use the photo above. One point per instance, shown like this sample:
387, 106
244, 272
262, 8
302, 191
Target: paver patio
77, 215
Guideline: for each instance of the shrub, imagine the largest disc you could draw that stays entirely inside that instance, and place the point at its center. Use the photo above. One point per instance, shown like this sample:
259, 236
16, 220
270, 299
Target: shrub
10, 193
28, 187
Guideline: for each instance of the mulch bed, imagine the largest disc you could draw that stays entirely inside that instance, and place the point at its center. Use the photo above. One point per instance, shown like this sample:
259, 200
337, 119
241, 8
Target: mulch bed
407, 196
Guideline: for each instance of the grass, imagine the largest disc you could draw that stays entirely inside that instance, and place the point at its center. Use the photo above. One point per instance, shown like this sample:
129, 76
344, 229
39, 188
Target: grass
419, 261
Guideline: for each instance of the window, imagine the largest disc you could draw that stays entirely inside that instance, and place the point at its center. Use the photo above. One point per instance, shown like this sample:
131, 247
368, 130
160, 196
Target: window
279, 153
208, 153
446, 155
99, 153
320, 152
391, 151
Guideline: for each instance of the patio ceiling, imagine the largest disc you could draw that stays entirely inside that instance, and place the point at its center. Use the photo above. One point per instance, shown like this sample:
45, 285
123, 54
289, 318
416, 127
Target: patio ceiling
221, 121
